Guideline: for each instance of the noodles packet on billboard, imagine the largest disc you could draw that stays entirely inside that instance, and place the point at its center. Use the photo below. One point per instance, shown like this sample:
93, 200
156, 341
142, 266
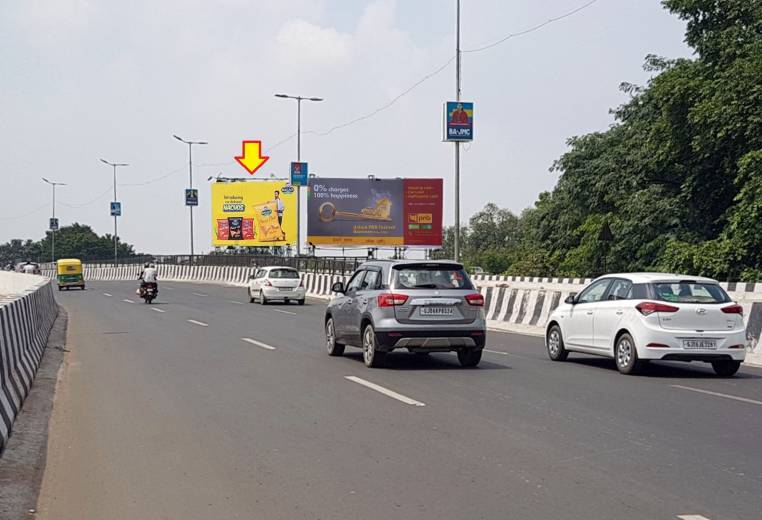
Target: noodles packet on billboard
267, 221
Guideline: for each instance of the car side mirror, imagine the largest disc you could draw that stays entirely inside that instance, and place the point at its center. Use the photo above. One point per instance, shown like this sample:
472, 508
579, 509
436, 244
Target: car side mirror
338, 287
572, 298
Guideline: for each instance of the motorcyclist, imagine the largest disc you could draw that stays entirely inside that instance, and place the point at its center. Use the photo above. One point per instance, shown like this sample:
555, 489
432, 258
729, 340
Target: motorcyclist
29, 267
149, 275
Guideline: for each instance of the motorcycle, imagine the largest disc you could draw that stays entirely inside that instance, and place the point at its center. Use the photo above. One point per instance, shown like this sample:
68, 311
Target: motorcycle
148, 292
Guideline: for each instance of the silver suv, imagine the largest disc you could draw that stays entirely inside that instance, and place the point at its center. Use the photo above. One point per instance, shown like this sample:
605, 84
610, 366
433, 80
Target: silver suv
421, 306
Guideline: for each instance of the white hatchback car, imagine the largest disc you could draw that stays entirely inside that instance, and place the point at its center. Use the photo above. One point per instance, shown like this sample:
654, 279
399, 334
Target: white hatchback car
637, 317
276, 283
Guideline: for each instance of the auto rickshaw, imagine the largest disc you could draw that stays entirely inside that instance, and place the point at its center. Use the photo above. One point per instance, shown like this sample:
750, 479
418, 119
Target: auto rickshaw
70, 274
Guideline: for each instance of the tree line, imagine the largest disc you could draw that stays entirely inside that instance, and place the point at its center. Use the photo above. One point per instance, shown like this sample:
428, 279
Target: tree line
674, 185
75, 241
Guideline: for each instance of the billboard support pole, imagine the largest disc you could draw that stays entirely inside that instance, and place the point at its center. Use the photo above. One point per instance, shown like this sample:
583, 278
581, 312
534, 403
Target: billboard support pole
456, 246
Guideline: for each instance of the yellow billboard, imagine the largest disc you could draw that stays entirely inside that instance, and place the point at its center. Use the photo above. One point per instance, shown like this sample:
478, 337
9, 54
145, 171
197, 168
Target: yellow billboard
254, 213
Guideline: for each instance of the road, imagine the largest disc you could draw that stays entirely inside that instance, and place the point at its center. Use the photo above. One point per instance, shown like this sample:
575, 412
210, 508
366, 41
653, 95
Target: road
205, 407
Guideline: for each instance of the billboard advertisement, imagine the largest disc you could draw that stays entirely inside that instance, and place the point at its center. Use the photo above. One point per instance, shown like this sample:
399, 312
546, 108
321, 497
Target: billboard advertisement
458, 121
374, 212
257, 213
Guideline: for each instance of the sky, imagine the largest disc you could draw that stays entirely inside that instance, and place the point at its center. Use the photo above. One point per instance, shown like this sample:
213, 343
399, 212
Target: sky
84, 80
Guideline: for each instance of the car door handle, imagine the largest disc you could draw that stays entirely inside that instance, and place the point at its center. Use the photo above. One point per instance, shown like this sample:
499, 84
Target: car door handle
619, 313
589, 313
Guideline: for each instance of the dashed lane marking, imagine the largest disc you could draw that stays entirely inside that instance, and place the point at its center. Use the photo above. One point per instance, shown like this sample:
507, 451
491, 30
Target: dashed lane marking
199, 294
495, 352
157, 310
383, 390
107, 294
692, 517
285, 312
128, 301
718, 394
235, 302
258, 343
201, 323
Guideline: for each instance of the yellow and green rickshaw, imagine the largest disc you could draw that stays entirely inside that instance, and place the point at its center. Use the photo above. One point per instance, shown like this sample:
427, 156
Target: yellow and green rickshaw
70, 274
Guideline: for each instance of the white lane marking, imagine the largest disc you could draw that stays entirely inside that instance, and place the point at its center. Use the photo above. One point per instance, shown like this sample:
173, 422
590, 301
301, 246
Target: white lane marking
718, 394
385, 391
199, 294
198, 323
237, 303
495, 352
285, 312
107, 294
258, 343
692, 517
157, 310
168, 288
128, 301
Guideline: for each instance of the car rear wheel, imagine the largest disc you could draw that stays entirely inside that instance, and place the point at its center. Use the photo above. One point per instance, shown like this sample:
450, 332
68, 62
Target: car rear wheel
554, 342
262, 298
251, 297
726, 368
334, 347
301, 302
370, 354
626, 355
469, 357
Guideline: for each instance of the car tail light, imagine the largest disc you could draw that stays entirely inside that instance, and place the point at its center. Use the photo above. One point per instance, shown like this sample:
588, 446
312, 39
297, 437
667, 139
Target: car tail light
738, 346
391, 299
733, 309
268, 284
301, 283
647, 308
477, 300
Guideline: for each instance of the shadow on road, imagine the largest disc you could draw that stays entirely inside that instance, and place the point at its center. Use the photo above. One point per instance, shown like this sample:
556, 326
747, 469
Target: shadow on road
438, 361
665, 369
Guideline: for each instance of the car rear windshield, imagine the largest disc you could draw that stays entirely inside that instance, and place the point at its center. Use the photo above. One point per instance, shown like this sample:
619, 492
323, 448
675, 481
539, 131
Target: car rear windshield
284, 273
431, 276
690, 292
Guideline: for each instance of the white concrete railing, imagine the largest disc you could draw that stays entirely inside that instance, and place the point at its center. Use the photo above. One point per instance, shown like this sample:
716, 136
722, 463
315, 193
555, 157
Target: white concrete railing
27, 313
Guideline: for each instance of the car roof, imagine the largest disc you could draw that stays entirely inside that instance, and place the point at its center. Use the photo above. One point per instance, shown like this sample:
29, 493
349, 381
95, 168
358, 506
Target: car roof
658, 277
411, 262
271, 267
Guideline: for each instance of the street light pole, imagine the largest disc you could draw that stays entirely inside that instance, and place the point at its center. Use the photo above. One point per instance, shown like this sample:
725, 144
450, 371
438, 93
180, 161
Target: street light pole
299, 100
53, 231
456, 246
190, 176
116, 250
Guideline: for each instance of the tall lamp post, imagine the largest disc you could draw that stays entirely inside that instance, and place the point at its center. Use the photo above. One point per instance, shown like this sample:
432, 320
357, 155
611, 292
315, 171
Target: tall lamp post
190, 175
52, 220
457, 144
114, 166
299, 100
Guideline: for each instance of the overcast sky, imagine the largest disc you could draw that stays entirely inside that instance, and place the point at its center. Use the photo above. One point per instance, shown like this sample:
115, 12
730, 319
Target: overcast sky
85, 79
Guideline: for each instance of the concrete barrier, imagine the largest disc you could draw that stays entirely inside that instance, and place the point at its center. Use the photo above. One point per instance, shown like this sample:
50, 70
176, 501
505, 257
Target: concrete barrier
27, 313
512, 303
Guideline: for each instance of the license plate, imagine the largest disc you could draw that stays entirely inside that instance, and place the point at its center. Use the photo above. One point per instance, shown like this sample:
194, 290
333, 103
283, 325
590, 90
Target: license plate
436, 311
285, 288
699, 344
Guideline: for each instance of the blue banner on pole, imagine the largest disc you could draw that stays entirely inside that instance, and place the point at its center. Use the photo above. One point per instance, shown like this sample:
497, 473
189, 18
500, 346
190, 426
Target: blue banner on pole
458, 121
116, 209
191, 197
299, 173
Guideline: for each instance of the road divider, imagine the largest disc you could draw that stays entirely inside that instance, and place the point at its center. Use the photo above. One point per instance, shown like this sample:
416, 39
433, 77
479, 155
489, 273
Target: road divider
383, 390
27, 313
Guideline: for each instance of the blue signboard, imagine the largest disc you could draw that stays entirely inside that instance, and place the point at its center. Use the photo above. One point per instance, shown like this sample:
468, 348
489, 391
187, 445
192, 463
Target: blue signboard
54, 224
191, 197
116, 209
299, 173
458, 121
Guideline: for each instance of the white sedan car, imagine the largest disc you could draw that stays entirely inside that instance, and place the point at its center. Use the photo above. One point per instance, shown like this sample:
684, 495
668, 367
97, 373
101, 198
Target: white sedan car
637, 317
276, 283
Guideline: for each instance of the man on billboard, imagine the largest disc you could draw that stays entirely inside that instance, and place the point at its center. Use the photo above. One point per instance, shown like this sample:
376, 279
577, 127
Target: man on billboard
281, 207
459, 116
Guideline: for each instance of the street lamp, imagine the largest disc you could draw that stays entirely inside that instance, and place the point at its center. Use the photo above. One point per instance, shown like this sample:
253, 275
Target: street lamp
190, 175
52, 220
299, 100
114, 165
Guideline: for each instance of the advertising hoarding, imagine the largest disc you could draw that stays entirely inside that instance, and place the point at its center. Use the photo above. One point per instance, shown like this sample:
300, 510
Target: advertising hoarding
458, 121
258, 213
374, 212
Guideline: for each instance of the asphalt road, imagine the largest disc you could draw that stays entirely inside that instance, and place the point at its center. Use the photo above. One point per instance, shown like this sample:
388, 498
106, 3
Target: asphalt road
204, 406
